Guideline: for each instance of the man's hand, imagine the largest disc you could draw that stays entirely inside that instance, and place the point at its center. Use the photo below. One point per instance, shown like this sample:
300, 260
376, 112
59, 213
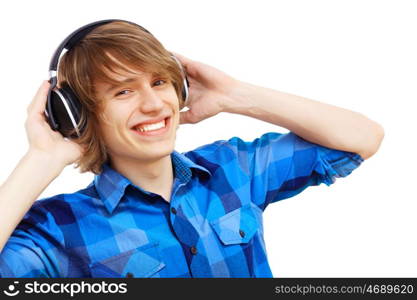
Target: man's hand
42, 139
209, 89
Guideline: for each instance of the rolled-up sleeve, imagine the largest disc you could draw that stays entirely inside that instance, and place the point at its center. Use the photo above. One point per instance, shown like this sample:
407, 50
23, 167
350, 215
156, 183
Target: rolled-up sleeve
283, 165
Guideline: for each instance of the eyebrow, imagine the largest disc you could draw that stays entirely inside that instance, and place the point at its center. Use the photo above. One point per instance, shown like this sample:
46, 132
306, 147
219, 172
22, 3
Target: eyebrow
126, 80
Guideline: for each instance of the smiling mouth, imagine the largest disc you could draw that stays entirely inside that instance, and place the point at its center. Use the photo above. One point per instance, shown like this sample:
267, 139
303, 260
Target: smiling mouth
153, 129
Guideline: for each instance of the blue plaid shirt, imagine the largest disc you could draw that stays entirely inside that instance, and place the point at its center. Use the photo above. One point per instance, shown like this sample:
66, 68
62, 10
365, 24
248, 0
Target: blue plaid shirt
212, 227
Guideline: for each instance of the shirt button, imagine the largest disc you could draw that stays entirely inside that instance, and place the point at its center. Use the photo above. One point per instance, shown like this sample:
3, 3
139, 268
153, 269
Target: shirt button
193, 250
129, 275
173, 210
242, 233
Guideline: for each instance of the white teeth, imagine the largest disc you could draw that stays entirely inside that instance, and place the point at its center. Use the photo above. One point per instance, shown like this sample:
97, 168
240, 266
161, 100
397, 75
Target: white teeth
149, 127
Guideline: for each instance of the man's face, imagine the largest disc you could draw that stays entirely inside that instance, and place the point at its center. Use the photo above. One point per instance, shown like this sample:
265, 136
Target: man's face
140, 117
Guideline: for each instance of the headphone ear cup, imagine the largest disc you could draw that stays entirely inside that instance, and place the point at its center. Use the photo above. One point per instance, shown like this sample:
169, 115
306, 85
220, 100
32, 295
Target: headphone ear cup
66, 110
185, 91
73, 102
185, 85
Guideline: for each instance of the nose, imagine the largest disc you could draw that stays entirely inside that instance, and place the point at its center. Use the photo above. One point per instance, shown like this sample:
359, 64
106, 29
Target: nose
150, 101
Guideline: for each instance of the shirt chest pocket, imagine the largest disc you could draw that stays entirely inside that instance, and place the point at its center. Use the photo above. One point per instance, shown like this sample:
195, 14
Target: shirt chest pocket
140, 262
238, 226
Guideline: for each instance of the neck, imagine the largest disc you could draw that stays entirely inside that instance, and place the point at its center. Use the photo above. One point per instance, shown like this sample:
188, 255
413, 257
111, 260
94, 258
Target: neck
153, 176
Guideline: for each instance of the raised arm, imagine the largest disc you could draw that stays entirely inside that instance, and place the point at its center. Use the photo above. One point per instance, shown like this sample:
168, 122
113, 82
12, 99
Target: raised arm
46, 157
212, 91
324, 124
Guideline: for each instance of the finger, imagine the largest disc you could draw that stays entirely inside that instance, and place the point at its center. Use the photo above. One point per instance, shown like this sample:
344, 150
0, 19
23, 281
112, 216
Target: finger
186, 117
184, 60
183, 117
189, 64
39, 100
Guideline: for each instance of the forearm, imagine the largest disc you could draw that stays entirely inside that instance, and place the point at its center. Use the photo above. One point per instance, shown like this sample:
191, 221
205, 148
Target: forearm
31, 176
317, 122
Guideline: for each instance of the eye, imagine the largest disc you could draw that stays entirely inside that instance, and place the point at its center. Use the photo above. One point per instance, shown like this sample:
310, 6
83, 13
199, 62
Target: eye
160, 81
122, 92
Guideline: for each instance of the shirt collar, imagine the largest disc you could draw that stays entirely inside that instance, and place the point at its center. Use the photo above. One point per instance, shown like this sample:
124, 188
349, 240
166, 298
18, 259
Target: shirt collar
111, 185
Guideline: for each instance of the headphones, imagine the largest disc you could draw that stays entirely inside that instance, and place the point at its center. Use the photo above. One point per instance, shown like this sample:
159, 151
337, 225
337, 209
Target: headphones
63, 108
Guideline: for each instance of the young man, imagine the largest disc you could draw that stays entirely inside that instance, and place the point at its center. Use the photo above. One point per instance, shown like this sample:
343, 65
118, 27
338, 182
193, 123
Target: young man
151, 211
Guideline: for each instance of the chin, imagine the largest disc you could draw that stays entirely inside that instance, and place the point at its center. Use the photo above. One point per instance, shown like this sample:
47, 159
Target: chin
155, 152
140, 147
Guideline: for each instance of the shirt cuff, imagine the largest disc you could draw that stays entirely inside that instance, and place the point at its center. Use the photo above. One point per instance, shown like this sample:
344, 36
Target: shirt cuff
338, 164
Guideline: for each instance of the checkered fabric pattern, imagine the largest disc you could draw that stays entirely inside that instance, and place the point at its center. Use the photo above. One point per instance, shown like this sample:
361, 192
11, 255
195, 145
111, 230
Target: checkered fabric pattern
212, 227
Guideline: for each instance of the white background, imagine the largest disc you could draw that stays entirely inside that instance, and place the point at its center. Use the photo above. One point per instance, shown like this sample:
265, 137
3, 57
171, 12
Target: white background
359, 55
